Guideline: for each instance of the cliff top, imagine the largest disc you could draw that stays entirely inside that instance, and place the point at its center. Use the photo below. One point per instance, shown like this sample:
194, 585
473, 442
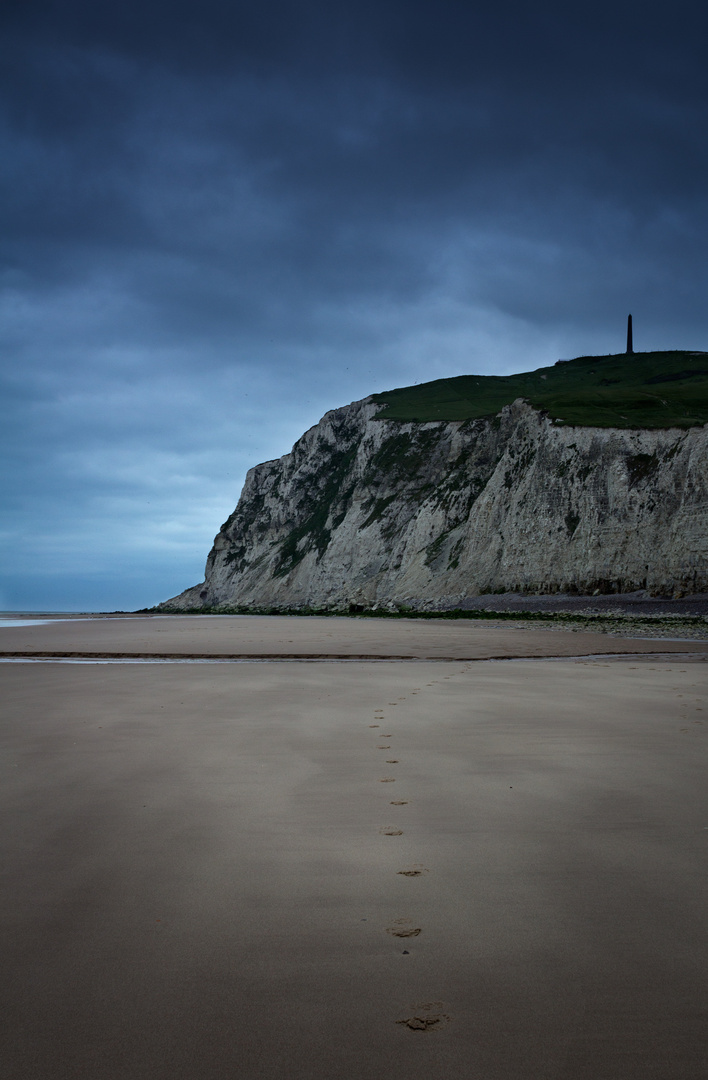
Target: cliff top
640, 390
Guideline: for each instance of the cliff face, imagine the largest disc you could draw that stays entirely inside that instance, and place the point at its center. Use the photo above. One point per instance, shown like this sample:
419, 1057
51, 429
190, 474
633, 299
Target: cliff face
374, 512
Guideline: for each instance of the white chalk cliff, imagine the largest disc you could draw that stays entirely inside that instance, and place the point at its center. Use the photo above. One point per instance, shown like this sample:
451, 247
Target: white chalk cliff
377, 512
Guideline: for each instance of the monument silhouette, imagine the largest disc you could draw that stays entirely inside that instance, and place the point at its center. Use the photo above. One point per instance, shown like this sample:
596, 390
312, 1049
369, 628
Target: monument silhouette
629, 335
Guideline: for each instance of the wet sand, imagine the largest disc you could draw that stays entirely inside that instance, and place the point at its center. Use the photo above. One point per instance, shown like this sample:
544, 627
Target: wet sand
360, 870
317, 637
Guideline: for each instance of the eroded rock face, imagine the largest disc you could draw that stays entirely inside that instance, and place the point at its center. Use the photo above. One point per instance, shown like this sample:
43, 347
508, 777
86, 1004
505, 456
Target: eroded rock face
370, 512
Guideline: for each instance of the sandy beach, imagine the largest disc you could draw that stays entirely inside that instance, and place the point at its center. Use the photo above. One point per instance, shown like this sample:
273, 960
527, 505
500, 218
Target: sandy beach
421, 868
267, 636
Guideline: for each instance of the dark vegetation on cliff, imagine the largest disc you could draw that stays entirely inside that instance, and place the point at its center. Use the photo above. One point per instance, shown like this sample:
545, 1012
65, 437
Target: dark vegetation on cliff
641, 390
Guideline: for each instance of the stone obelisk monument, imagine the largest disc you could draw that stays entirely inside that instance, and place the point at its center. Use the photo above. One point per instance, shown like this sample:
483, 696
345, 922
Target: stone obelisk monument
629, 335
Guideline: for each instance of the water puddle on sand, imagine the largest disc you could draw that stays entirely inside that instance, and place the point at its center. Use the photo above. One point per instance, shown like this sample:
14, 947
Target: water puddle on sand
209, 660
27, 622
590, 658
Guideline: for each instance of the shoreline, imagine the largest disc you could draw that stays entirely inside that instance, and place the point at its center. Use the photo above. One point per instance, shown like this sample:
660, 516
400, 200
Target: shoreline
657, 626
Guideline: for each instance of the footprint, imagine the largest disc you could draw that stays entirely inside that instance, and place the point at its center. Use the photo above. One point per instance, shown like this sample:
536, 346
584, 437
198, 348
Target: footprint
426, 1017
416, 870
392, 761
384, 747
387, 780
390, 830
398, 802
386, 736
403, 928
374, 725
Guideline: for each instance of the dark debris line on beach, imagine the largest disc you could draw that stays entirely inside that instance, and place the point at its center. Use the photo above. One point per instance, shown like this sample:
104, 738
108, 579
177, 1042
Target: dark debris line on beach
688, 626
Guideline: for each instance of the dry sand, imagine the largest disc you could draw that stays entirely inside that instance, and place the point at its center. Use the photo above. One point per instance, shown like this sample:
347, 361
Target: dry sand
206, 878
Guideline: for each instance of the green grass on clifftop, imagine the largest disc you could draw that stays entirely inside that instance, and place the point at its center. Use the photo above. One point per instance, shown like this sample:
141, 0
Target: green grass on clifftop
644, 390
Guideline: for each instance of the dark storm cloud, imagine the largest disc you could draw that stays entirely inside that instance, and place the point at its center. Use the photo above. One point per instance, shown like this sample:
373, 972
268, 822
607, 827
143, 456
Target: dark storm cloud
219, 220
291, 143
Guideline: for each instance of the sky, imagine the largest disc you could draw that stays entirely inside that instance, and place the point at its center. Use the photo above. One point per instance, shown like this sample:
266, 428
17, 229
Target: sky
221, 219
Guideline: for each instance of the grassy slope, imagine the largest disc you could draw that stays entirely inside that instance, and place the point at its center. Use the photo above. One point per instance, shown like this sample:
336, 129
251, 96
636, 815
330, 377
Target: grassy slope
645, 390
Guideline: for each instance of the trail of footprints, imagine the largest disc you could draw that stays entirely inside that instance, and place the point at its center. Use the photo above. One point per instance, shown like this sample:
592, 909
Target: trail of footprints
425, 1016
430, 1015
